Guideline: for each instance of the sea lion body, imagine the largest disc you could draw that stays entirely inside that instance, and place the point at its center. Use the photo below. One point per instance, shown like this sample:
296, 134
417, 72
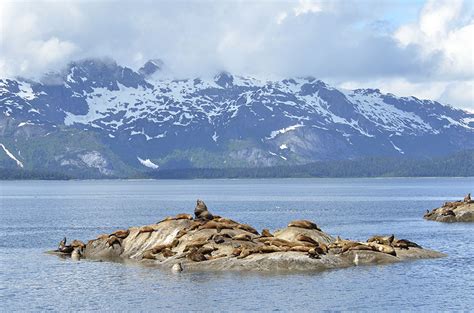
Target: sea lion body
304, 224
266, 233
122, 233
244, 237
247, 228
383, 240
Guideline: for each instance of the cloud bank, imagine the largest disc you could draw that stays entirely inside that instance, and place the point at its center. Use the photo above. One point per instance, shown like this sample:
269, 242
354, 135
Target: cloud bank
407, 48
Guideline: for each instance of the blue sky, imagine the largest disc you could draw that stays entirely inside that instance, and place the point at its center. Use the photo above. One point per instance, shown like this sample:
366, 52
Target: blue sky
406, 47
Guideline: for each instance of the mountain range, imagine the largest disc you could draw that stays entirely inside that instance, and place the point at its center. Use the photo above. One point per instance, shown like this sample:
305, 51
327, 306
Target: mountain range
96, 118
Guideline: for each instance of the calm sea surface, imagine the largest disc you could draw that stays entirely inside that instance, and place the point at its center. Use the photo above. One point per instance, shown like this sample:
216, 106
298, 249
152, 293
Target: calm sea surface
35, 215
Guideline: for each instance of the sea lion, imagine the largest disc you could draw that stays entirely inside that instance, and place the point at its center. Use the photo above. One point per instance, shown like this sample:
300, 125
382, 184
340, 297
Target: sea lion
146, 229
206, 250
383, 248
62, 247
313, 253
247, 228
266, 233
114, 240
166, 252
184, 216
305, 238
181, 233
405, 244
195, 256
448, 213
121, 233
77, 244
467, 198
195, 244
383, 240
304, 224
225, 221
218, 239
160, 248
149, 255
244, 237
300, 249
362, 247
215, 225
244, 253
201, 211
236, 251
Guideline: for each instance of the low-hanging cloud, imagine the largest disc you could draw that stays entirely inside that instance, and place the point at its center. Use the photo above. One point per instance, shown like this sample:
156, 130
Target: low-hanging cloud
347, 43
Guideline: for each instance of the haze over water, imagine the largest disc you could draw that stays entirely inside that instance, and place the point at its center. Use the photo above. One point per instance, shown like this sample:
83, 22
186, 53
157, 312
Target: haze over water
35, 215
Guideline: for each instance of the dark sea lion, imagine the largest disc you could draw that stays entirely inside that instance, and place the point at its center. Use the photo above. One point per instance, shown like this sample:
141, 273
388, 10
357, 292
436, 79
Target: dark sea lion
184, 216
244, 237
201, 211
121, 233
196, 256
113, 240
448, 213
218, 239
247, 228
62, 247
266, 233
405, 244
304, 224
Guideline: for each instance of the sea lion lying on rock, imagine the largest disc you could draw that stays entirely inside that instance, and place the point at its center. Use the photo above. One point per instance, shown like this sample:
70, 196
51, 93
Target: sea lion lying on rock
122, 234
304, 224
266, 233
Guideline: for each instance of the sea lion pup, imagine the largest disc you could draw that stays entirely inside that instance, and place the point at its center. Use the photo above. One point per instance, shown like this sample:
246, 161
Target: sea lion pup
304, 224
201, 211
247, 228
383, 248
62, 247
113, 240
383, 240
244, 237
121, 233
308, 239
195, 256
266, 233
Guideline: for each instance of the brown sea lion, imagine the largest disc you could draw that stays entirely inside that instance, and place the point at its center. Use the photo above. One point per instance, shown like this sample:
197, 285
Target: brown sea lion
244, 253
383, 240
181, 233
304, 224
266, 233
226, 221
121, 233
313, 253
362, 247
77, 244
197, 243
236, 251
167, 253
103, 237
300, 249
247, 228
244, 237
270, 249
146, 229
215, 225
184, 216
206, 250
213, 257
305, 238
196, 256
383, 248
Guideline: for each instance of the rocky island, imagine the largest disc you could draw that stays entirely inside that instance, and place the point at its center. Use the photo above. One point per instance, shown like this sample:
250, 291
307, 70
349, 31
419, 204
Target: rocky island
207, 242
456, 211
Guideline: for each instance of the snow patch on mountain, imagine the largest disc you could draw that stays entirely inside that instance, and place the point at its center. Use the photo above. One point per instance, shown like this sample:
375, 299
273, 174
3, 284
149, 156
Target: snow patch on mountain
11, 156
148, 163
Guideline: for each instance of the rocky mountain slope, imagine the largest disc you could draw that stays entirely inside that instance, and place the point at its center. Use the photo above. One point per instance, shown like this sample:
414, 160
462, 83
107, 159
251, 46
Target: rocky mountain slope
99, 118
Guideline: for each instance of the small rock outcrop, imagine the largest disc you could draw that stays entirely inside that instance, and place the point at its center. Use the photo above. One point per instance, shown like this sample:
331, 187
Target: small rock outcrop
213, 243
456, 211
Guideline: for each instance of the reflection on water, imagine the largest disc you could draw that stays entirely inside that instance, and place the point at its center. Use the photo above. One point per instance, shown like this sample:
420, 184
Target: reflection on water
35, 215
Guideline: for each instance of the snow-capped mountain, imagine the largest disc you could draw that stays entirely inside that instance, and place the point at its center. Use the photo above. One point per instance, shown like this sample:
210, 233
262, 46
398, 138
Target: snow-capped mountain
109, 119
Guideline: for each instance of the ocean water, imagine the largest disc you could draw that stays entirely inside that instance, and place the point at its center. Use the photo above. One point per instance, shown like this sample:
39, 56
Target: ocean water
35, 215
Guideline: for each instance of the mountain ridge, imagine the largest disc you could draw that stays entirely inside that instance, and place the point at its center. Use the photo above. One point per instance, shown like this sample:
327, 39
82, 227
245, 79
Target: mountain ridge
128, 121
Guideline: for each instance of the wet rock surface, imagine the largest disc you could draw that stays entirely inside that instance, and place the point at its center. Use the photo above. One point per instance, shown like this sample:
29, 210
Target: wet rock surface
209, 242
456, 211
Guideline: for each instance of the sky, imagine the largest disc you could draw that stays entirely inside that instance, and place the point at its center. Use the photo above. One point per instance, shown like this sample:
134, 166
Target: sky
405, 47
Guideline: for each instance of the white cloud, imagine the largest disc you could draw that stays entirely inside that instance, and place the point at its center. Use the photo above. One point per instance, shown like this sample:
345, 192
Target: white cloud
339, 41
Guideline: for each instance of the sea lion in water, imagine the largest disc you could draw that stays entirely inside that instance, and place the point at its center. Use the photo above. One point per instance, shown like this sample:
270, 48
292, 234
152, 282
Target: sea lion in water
304, 224
201, 211
266, 233
121, 233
